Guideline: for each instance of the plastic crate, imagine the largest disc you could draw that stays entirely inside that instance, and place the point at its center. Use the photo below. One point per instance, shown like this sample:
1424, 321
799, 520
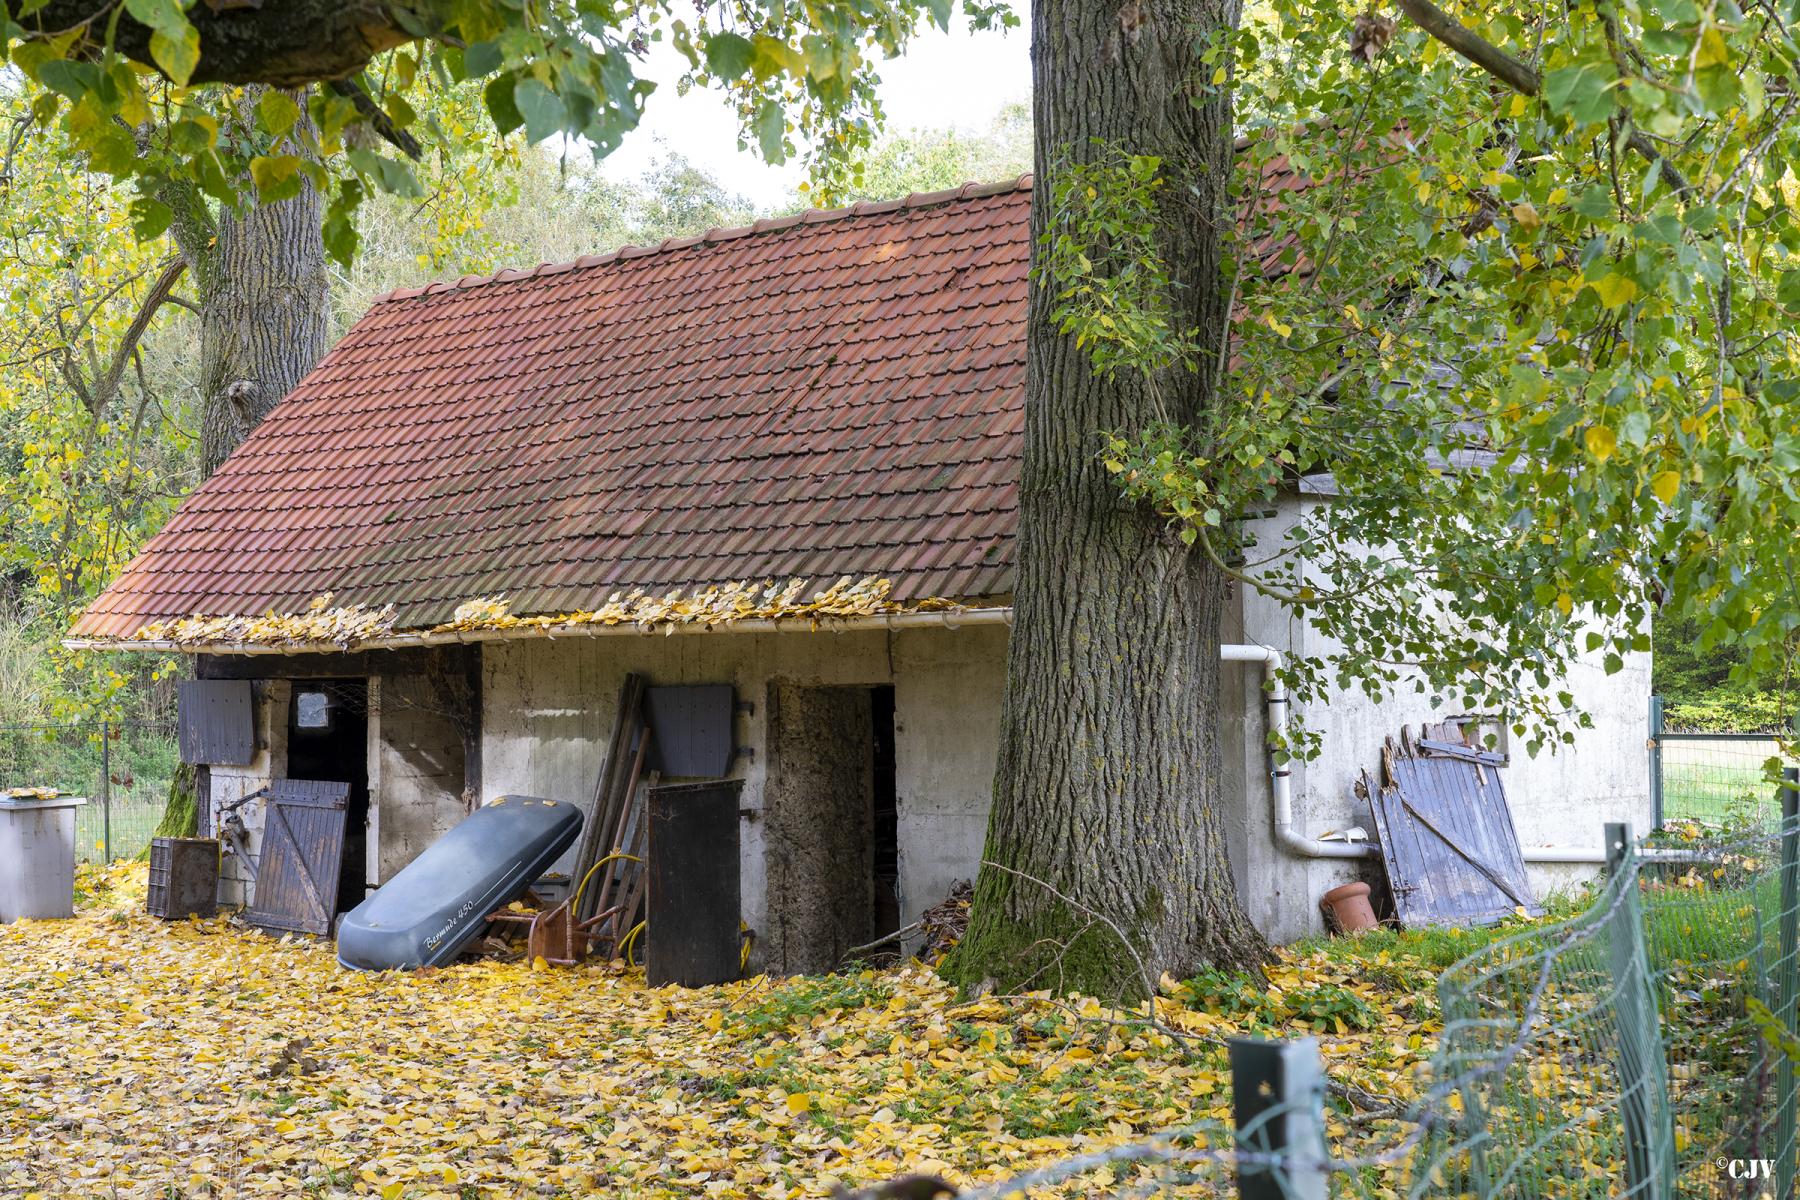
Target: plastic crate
184, 878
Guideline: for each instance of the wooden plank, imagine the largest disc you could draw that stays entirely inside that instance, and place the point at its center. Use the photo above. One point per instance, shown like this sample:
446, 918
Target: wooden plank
302, 856
1447, 839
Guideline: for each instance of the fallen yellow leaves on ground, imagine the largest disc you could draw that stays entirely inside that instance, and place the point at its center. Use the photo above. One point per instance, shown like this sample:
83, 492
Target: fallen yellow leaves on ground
141, 1058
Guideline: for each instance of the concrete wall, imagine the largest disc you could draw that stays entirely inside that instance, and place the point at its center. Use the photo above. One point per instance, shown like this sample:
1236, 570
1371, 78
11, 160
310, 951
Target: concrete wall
548, 708
1559, 798
415, 771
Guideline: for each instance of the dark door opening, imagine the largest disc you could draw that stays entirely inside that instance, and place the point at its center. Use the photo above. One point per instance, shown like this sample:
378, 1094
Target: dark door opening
885, 813
328, 738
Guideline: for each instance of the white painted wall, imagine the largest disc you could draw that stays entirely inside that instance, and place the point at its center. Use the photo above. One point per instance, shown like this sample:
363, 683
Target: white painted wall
1560, 798
548, 708
415, 772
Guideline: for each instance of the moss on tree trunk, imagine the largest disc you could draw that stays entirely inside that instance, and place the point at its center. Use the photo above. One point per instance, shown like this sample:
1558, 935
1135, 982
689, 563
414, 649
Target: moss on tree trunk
1108, 787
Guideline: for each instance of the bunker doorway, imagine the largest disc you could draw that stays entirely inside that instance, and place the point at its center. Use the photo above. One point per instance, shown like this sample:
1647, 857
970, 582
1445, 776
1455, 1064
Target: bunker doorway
831, 824
328, 738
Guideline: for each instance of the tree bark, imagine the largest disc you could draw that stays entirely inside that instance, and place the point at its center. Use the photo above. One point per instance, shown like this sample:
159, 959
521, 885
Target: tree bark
264, 322
264, 317
1108, 788
289, 44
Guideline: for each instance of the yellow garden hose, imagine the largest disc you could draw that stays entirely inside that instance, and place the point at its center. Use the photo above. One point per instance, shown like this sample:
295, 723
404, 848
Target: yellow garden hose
626, 946
575, 904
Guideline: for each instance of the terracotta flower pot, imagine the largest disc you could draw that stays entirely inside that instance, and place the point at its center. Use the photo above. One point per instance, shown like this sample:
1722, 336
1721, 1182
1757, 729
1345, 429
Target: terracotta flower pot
1349, 907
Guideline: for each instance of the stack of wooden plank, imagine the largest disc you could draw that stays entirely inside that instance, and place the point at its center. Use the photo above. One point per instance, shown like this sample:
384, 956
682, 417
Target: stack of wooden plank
608, 869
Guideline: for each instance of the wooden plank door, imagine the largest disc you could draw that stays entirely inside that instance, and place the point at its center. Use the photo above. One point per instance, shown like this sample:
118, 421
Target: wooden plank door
302, 856
1451, 850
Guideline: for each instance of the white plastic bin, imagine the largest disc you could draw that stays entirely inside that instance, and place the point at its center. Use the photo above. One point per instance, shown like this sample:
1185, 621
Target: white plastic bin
37, 857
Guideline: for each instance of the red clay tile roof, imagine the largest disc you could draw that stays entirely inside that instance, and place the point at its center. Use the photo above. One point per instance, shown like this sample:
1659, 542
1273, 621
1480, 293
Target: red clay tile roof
824, 395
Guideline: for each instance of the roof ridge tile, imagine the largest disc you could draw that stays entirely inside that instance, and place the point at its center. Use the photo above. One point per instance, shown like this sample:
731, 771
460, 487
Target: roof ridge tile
811, 216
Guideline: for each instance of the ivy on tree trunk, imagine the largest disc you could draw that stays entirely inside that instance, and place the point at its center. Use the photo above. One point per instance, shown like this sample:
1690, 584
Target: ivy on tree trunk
1108, 791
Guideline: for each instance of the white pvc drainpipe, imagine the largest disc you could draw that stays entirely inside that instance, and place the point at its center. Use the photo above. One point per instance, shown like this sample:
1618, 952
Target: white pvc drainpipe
1277, 715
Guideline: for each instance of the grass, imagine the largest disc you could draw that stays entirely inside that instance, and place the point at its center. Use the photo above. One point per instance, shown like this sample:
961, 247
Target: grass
134, 771
1719, 782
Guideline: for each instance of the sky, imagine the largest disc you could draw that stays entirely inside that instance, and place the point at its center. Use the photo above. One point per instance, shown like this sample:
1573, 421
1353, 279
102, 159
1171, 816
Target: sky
957, 79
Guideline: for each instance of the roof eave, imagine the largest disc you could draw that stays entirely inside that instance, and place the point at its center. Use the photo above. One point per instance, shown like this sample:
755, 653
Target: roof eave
937, 619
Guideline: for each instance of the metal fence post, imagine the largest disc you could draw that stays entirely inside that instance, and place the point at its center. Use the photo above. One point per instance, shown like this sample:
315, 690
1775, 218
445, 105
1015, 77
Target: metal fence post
1643, 1084
1278, 1104
1656, 762
1787, 987
105, 792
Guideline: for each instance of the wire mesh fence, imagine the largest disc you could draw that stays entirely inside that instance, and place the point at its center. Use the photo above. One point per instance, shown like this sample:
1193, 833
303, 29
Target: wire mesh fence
1645, 1048
1718, 779
122, 768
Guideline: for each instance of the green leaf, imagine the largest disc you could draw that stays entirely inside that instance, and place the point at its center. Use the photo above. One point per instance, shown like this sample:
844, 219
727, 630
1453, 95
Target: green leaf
1787, 291
1580, 93
542, 109
771, 131
276, 177
177, 51
482, 58
728, 55
277, 112
498, 95
149, 218
72, 79
113, 151
157, 14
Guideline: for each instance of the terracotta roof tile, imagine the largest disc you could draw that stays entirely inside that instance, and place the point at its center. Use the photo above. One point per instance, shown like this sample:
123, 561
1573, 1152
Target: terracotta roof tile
830, 394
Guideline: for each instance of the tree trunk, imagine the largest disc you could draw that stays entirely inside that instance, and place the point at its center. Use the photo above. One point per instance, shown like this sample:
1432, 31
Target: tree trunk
264, 317
264, 321
1108, 788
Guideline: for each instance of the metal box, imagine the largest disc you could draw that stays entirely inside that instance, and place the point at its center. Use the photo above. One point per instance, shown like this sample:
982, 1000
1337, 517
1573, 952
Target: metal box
691, 729
37, 858
184, 878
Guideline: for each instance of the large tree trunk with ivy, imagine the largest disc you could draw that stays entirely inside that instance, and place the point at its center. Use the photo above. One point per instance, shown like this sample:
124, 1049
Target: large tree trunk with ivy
264, 321
1107, 802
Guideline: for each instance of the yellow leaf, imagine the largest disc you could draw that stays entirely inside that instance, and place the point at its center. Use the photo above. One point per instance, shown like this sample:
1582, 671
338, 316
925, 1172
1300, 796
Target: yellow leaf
1665, 485
1601, 441
1713, 51
799, 1102
1565, 603
1615, 291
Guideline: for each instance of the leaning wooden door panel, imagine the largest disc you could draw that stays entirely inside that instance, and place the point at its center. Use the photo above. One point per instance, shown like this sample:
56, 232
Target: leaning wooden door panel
692, 911
1447, 839
302, 856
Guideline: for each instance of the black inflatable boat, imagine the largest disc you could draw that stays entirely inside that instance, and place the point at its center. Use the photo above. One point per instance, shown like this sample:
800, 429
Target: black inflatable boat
439, 902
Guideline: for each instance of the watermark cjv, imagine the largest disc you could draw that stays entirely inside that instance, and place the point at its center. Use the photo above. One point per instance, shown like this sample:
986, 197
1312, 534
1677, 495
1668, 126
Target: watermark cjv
1748, 1168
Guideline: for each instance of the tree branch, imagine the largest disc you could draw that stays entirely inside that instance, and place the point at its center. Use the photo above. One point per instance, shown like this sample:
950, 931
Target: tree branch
108, 385
1517, 75
378, 120
287, 45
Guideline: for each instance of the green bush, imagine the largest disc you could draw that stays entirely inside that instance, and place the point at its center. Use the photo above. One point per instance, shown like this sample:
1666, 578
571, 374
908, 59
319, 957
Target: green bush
1728, 710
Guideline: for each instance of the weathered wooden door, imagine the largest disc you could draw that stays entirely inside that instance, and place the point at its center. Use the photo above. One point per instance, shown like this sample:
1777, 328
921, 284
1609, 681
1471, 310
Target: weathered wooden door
1447, 838
302, 856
